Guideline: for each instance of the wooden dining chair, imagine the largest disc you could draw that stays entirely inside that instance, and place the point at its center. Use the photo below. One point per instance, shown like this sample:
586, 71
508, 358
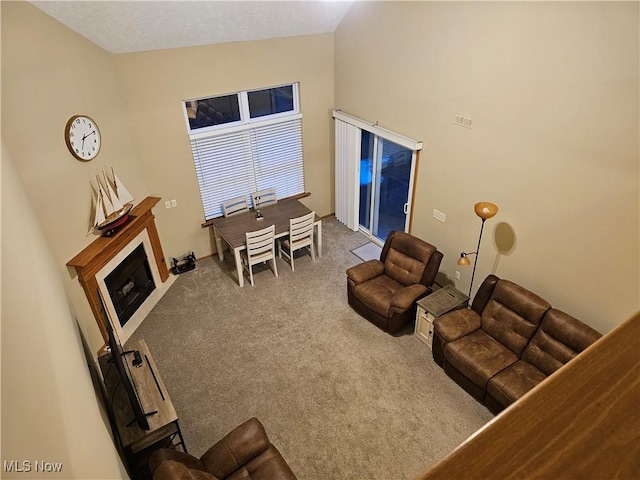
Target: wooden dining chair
263, 198
300, 236
234, 206
260, 248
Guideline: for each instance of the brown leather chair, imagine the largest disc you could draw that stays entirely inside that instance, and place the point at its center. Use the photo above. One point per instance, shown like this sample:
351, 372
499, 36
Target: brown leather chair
385, 291
244, 453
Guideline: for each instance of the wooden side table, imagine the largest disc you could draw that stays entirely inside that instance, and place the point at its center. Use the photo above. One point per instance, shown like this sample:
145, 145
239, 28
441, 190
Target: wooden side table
164, 430
432, 306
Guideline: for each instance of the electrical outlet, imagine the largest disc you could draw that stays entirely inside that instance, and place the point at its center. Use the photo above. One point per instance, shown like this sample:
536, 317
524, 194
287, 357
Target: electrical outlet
174, 203
457, 275
438, 215
167, 204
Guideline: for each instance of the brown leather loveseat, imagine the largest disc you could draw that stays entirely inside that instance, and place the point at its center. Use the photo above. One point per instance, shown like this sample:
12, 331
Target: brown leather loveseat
385, 291
244, 453
506, 343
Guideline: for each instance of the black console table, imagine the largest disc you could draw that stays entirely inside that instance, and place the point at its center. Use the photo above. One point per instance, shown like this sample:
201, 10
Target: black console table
137, 444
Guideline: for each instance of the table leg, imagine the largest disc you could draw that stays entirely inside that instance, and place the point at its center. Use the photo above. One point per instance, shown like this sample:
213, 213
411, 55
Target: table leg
219, 246
319, 238
236, 254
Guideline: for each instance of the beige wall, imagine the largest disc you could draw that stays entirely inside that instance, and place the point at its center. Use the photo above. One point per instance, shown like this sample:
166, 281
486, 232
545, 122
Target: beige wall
49, 407
553, 89
154, 85
49, 74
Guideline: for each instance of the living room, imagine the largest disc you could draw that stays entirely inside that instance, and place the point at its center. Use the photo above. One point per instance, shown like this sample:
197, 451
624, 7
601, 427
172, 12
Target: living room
553, 88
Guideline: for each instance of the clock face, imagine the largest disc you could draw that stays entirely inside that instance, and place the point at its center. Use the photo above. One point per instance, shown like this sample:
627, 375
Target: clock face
82, 137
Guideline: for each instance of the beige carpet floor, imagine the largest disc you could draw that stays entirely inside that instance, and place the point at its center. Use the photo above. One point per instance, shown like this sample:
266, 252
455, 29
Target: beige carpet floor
339, 398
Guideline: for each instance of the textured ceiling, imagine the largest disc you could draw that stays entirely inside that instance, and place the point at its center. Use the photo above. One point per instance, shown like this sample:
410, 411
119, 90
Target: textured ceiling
134, 26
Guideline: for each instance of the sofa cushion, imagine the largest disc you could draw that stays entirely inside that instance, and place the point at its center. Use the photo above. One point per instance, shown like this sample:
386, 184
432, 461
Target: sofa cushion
407, 258
559, 338
377, 294
478, 356
510, 384
512, 315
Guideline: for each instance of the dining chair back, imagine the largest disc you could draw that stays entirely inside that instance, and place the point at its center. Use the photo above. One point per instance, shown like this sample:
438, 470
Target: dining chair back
300, 236
234, 206
260, 249
263, 198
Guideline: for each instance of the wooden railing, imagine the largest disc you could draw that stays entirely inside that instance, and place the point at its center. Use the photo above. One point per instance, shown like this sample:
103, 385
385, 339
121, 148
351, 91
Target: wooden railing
583, 422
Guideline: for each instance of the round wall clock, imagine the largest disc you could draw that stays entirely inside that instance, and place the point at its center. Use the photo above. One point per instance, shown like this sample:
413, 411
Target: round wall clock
83, 137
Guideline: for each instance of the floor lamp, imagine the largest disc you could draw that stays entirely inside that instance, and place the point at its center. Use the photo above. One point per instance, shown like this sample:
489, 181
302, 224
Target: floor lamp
484, 210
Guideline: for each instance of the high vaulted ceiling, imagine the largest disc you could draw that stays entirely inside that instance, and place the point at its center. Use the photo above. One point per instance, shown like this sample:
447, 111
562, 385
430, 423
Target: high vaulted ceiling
134, 26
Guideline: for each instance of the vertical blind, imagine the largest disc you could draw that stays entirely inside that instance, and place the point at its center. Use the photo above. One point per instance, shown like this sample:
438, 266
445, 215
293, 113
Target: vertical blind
237, 163
347, 172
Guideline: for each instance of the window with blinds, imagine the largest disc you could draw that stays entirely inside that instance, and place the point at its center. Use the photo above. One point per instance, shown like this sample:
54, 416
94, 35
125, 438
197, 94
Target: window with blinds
261, 148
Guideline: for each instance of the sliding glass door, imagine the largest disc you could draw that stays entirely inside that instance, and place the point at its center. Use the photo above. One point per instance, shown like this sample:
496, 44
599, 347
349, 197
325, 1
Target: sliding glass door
374, 176
386, 178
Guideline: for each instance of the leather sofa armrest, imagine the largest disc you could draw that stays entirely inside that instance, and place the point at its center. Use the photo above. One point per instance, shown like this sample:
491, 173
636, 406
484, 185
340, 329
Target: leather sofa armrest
431, 269
237, 448
174, 470
405, 298
169, 454
456, 324
365, 271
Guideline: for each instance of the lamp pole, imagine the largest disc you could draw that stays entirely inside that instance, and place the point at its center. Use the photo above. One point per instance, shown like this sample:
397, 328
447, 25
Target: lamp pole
475, 262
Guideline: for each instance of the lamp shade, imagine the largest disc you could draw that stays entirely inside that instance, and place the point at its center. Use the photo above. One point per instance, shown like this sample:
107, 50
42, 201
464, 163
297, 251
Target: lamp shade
463, 260
485, 209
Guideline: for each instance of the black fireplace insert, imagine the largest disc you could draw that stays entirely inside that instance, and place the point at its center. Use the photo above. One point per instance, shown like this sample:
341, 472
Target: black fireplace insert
130, 283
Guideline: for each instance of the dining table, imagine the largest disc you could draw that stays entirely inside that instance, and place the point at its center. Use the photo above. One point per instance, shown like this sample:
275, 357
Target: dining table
232, 229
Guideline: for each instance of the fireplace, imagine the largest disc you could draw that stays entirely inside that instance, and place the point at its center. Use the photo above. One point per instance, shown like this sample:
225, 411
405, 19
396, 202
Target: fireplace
98, 261
130, 283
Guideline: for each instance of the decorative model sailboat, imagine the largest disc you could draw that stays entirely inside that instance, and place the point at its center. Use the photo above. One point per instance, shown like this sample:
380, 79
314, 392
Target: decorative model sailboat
113, 204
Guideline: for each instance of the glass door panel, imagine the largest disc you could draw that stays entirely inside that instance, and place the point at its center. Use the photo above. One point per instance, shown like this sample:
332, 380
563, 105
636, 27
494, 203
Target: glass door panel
394, 167
385, 181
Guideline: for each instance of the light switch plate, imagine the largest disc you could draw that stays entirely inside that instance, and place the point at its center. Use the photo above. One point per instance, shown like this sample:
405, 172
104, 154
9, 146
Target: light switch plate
463, 120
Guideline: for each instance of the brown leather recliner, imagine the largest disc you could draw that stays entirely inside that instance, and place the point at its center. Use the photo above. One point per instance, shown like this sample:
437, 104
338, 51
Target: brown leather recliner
244, 453
385, 291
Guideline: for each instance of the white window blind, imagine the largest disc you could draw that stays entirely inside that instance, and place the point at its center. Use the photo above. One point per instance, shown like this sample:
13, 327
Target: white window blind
243, 161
